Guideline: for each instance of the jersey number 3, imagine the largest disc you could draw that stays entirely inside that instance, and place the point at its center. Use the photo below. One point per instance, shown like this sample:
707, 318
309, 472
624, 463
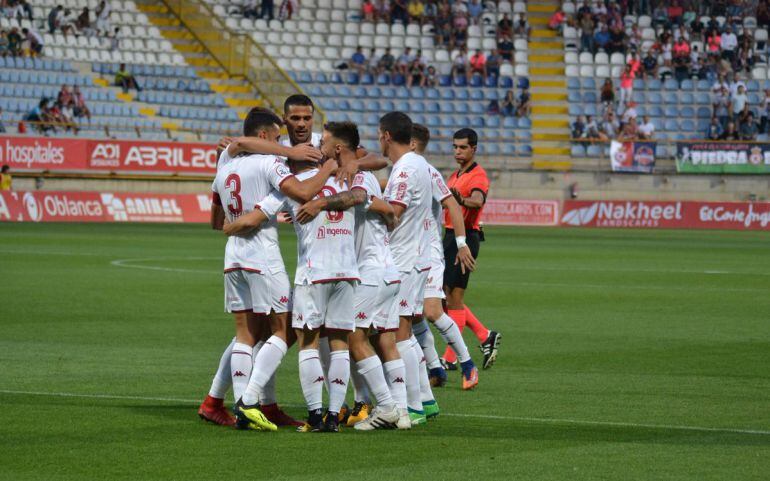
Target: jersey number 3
234, 202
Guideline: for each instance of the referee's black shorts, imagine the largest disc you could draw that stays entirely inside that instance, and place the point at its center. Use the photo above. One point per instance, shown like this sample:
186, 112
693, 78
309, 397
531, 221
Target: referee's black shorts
453, 274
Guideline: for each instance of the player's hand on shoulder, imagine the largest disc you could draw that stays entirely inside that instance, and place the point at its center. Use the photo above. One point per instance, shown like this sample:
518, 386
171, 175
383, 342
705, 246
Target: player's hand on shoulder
309, 211
224, 142
235, 147
347, 172
305, 152
465, 259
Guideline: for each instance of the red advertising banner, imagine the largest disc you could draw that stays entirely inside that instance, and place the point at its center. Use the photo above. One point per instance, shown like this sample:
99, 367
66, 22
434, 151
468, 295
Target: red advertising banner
667, 214
520, 212
45, 206
42, 153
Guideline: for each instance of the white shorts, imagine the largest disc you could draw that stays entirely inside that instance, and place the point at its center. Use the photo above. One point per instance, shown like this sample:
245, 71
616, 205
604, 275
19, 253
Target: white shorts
412, 293
375, 306
329, 305
434, 286
256, 292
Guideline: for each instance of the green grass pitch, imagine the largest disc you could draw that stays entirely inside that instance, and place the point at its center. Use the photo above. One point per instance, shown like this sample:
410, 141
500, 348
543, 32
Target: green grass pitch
627, 355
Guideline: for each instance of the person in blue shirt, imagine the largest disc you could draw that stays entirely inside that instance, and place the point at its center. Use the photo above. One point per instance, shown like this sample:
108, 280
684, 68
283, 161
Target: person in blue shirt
602, 38
358, 61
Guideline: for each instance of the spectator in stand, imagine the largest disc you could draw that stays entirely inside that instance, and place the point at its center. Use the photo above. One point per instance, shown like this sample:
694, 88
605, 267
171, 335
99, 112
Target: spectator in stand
124, 79
65, 95
729, 132
524, 104
6, 180
505, 27
478, 64
459, 8
607, 92
69, 23
40, 118
386, 63
505, 48
617, 42
416, 74
646, 131
416, 10
460, 64
83, 23
734, 82
763, 15
398, 12
557, 21
601, 38
443, 25
382, 10
14, 42
80, 108
367, 11
729, 44
508, 107
593, 131
629, 113
660, 15
2, 122
459, 31
493, 108
650, 64
675, 13
33, 41
764, 113
667, 52
494, 60
115, 39
54, 18
4, 51
740, 104
579, 128
610, 127
475, 9
64, 116
431, 10
714, 130
521, 26
358, 61
722, 107
404, 61
629, 132
748, 128
626, 85
287, 9
636, 64
431, 77
681, 52
371, 61
103, 11
635, 38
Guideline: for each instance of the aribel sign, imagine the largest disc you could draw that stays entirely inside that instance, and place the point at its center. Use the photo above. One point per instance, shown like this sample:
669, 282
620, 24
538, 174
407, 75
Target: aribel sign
45, 206
667, 214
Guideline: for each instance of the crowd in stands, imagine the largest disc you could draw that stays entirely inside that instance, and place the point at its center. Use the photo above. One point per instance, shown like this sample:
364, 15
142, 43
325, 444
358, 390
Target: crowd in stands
62, 113
266, 9
512, 106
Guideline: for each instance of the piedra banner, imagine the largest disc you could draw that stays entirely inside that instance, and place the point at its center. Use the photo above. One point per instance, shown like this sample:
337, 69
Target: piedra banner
722, 158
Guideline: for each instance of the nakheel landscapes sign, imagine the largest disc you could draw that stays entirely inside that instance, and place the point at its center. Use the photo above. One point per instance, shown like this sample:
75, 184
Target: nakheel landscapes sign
722, 158
667, 214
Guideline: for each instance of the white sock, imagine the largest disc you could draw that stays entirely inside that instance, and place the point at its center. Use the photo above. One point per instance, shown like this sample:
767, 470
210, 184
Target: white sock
311, 377
324, 352
424, 336
339, 376
426, 394
360, 391
266, 363
267, 395
240, 368
412, 366
395, 375
222, 380
452, 336
371, 370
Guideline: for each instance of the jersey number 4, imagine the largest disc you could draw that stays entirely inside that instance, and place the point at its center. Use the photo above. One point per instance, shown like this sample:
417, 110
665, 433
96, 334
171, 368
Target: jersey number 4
234, 202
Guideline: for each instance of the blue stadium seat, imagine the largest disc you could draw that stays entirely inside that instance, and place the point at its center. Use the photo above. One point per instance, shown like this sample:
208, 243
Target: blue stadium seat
476, 94
589, 97
637, 96
321, 78
476, 108
654, 97
432, 94
444, 80
417, 93
509, 148
374, 92
461, 94
575, 109
477, 122
573, 96
388, 92
687, 84
703, 85
524, 135
491, 94
590, 110
432, 108
572, 83
460, 81
638, 84
447, 108
493, 121
671, 125
687, 112
670, 111
477, 81
403, 106
686, 98
588, 83
593, 151
357, 105
510, 122
352, 78
525, 123
416, 107
671, 84
578, 151
398, 80
752, 86
507, 82
491, 82
522, 83
670, 98
367, 79
305, 77
447, 94
689, 127
383, 79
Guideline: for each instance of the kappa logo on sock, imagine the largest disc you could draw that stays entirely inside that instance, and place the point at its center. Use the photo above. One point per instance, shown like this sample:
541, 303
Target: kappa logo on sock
338, 381
319, 379
284, 300
403, 303
399, 379
361, 316
239, 374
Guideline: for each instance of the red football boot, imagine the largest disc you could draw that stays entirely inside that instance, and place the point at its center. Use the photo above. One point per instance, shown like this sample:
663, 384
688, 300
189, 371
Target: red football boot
276, 416
214, 411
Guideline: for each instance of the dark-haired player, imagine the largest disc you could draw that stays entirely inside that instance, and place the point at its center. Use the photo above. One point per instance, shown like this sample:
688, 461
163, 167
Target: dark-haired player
469, 184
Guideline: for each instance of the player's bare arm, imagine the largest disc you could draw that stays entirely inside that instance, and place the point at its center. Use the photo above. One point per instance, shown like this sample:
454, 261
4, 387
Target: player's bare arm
464, 256
342, 201
370, 161
217, 218
386, 211
256, 145
475, 201
245, 223
304, 191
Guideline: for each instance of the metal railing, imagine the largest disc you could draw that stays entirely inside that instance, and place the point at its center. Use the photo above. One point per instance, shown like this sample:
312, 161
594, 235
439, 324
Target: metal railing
238, 53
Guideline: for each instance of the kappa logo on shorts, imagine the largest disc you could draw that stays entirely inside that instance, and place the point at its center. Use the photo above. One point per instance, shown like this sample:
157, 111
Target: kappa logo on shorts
403, 303
361, 316
430, 280
283, 300
319, 379
239, 374
339, 381
299, 317
399, 379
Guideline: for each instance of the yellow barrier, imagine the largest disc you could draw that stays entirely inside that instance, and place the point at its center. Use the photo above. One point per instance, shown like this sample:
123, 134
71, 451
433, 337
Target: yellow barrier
238, 53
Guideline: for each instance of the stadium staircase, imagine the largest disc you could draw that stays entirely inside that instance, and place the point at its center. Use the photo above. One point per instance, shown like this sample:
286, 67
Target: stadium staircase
550, 120
236, 90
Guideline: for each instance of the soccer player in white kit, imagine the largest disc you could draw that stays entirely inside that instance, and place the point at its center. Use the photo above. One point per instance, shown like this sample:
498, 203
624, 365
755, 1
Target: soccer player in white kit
256, 283
409, 191
375, 296
434, 291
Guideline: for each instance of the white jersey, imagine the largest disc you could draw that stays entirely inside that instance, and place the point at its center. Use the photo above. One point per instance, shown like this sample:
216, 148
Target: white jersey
315, 140
375, 261
241, 182
440, 192
325, 246
409, 185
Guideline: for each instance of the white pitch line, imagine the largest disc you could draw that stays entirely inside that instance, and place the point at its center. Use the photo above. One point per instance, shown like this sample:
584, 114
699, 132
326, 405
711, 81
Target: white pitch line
671, 427
127, 263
